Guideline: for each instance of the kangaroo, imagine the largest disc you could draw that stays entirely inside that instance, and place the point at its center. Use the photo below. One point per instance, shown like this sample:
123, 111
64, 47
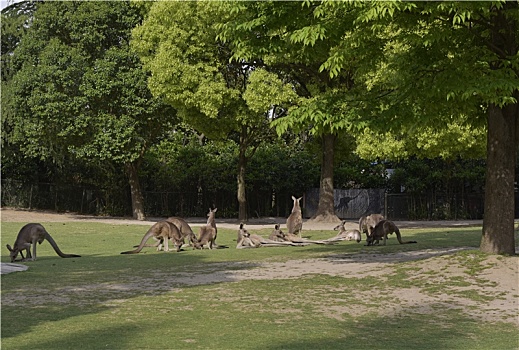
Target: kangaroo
349, 235
185, 232
206, 237
247, 240
244, 240
208, 232
185, 229
382, 229
295, 219
162, 232
277, 234
368, 223
32, 234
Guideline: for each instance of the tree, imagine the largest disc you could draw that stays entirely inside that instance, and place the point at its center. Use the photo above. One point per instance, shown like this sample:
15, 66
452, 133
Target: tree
292, 40
79, 91
190, 69
459, 57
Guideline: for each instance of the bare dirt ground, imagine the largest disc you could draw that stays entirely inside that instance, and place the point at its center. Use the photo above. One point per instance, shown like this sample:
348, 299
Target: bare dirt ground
22, 215
497, 284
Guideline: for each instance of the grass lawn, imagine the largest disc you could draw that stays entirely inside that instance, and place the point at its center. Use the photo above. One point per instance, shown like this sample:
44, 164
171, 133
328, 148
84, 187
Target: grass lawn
208, 300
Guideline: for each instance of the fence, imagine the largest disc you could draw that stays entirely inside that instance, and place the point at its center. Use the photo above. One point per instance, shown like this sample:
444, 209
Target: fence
349, 204
117, 202
48, 196
435, 207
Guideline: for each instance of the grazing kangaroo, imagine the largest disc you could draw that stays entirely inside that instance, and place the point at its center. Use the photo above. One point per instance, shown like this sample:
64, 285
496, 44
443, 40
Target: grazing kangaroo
162, 232
185, 232
295, 219
349, 235
382, 229
208, 232
368, 223
32, 234
185, 229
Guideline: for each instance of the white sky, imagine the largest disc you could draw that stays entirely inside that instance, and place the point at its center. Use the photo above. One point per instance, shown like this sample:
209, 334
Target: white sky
5, 3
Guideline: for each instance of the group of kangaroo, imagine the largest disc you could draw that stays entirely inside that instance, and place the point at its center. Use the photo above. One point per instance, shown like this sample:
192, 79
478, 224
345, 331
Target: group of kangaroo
177, 230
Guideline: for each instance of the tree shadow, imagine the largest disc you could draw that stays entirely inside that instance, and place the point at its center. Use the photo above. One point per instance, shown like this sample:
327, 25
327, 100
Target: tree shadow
55, 289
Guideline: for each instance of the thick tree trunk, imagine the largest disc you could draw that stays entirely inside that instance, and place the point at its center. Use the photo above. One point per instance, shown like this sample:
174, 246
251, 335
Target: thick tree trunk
135, 189
326, 207
498, 222
242, 164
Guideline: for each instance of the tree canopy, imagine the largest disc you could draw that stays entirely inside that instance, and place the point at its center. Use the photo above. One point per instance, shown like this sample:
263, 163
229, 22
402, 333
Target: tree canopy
78, 90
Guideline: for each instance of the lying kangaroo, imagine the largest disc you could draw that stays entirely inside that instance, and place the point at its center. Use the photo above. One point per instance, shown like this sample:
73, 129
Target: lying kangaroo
32, 234
244, 240
368, 223
277, 235
295, 219
349, 235
382, 229
162, 232
247, 240
208, 232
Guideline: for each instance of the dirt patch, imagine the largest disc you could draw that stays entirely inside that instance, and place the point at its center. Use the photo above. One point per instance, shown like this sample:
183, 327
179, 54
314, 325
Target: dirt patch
23, 215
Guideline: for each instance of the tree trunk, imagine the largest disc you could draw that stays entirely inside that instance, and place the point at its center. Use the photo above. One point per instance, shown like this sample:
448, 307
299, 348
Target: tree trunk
135, 189
498, 221
242, 164
326, 207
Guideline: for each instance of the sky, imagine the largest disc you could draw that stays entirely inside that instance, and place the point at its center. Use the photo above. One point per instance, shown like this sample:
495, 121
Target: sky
5, 3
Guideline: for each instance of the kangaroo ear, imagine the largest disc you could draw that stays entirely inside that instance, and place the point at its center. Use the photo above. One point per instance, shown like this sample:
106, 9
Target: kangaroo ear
9, 247
293, 198
215, 209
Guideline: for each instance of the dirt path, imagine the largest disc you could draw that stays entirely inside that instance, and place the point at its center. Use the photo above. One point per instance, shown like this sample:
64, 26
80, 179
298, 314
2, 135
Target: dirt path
21, 215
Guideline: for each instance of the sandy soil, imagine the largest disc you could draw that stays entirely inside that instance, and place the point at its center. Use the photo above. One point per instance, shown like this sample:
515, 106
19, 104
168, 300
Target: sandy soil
21, 215
497, 283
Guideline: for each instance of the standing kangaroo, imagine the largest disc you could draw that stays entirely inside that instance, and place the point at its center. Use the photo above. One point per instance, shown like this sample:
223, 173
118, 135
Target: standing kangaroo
208, 232
162, 231
382, 229
32, 234
368, 223
295, 219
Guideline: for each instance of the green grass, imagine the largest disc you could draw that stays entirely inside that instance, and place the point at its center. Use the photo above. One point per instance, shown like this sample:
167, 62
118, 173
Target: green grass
105, 300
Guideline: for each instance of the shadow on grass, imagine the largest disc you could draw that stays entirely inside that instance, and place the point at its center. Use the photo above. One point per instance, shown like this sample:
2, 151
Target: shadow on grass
55, 289
410, 331
112, 337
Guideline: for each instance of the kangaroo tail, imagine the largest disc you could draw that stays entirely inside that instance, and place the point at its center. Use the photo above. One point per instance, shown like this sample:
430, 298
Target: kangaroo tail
143, 242
49, 238
399, 237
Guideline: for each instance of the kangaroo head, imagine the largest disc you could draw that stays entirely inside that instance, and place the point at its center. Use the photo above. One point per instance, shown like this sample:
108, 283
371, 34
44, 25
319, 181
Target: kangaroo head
296, 206
13, 253
340, 226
